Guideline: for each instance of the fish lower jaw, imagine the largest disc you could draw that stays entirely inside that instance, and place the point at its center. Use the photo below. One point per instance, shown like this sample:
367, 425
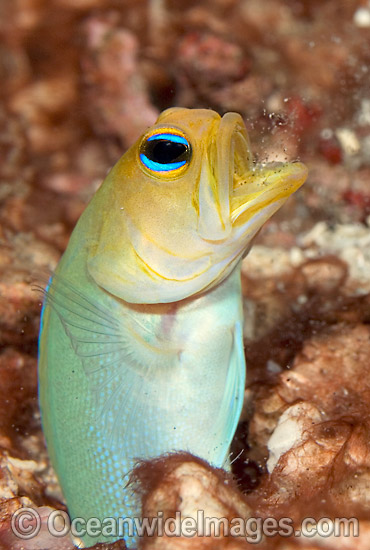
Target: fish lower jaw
264, 186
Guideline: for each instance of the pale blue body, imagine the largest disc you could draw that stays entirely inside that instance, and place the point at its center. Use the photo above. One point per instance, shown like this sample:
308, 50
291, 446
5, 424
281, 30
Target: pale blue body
129, 382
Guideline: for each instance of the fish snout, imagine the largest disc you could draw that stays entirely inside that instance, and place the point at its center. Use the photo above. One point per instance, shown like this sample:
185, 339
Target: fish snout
235, 194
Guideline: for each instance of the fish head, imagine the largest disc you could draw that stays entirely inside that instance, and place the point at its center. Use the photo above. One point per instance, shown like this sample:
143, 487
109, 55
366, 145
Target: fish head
179, 210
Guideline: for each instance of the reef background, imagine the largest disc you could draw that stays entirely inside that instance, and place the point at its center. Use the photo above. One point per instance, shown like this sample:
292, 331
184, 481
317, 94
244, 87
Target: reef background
80, 81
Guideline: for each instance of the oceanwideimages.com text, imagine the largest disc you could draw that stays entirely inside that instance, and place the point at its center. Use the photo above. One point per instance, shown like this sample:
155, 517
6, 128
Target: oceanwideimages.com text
26, 524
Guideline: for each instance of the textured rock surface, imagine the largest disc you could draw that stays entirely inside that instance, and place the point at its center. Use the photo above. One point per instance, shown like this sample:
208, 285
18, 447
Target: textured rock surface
80, 81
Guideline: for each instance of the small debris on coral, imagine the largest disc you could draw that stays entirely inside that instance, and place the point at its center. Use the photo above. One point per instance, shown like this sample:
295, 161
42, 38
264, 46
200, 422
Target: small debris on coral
186, 487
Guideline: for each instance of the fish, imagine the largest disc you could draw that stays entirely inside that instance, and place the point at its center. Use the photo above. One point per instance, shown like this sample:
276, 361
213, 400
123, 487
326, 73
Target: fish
141, 339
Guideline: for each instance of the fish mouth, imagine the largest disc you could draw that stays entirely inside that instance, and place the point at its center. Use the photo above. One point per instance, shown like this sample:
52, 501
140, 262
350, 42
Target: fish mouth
247, 189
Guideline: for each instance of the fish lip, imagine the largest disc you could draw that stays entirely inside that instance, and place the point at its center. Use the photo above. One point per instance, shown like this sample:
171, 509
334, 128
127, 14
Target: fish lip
233, 190
244, 187
231, 142
216, 177
265, 185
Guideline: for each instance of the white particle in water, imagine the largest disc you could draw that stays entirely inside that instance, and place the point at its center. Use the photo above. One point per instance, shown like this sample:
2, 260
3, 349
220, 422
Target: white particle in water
361, 17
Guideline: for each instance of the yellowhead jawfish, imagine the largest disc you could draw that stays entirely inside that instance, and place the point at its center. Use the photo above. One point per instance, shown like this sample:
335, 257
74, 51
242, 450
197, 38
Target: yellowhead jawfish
141, 347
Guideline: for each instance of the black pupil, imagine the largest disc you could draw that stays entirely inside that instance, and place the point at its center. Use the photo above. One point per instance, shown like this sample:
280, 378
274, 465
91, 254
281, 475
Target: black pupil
165, 151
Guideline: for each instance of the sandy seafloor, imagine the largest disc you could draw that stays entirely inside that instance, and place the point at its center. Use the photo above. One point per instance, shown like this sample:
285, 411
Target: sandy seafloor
80, 81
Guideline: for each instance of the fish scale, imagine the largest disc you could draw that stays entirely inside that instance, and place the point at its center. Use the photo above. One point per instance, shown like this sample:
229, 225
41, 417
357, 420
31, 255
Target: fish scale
141, 347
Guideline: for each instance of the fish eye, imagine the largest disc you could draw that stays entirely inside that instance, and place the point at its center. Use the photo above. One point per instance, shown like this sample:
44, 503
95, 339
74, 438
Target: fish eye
165, 152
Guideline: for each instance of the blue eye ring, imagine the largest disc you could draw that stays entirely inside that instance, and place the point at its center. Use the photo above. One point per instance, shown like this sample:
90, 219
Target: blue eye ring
165, 152
176, 138
160, 167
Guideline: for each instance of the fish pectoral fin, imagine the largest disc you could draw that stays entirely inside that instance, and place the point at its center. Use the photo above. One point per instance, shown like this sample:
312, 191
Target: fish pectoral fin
97, 331
115, 356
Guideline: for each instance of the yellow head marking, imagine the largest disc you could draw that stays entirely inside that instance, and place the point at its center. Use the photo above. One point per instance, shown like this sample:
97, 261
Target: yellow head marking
178, 210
